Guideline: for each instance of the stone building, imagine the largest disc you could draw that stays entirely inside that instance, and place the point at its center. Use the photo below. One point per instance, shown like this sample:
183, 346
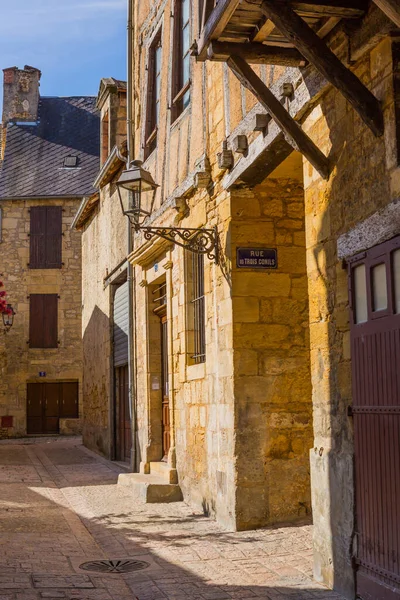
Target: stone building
288, 339
50, 149
105, 288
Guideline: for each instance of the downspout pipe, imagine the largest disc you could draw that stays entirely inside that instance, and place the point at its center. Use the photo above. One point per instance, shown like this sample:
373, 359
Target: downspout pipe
130, 274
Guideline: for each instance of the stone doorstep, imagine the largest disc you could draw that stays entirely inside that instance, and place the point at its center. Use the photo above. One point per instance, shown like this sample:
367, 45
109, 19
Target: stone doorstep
150, 489
162, 469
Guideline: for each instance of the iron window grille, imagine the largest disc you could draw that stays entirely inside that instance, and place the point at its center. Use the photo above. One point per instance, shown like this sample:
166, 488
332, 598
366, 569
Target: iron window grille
198, 309
160, 295
153, 95
181, 58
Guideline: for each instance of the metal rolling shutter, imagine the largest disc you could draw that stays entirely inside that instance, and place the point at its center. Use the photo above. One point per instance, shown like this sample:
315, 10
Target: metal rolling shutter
121, 326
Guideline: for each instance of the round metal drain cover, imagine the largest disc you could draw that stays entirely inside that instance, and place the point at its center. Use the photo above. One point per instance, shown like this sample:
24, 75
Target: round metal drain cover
115, 566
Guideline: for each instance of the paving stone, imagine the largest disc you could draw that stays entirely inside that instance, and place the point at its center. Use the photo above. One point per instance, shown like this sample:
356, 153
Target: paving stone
61, 507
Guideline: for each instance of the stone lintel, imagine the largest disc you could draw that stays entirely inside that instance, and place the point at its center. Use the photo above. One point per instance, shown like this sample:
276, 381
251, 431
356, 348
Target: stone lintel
376, 229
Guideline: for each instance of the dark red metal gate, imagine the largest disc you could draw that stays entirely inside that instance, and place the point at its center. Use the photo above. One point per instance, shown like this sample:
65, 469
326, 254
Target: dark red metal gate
375, 340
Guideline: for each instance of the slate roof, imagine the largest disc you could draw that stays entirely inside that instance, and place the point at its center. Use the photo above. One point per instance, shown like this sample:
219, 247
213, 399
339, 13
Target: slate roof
34, 155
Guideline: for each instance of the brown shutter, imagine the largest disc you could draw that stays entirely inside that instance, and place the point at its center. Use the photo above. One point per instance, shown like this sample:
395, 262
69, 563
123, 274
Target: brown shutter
37, 259
36, 321
43, 321
53, 237
45, 237
69, 405
50, 321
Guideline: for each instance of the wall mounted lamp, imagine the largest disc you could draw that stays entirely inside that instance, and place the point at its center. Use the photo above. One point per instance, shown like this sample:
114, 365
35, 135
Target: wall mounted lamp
8, 318
137, 203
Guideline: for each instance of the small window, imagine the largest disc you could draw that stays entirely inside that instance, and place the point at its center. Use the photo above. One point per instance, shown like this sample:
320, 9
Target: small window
396, 280
70, 162
181, 58
45, 237
196, 308
153, 95
360, 294
105, 136
43, 321
379, 287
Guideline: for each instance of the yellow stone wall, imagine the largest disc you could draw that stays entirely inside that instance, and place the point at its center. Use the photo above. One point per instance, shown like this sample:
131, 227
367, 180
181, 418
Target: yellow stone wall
364, 180
104, 247
273, 412
18, 363
242, 420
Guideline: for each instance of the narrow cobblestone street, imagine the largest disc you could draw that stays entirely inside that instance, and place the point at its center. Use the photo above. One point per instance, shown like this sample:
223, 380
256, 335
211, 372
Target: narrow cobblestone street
61, 507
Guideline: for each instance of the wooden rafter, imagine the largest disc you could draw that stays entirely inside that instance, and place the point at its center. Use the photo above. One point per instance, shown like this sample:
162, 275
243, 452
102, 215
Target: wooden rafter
317, 52
391, 8
216, 23
328, 8
208, 6
294, 133
256, 54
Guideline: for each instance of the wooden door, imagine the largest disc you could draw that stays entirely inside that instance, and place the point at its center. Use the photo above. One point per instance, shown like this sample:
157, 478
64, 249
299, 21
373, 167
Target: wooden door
124, 436
51, 408
375, 344
166, 425
47, 403
35, 399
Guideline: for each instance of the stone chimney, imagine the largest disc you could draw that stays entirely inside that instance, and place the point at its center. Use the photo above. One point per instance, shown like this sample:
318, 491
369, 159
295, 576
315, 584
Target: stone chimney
21, 94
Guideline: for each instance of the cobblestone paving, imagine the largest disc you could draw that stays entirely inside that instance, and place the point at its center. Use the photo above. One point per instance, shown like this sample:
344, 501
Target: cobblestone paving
60, 507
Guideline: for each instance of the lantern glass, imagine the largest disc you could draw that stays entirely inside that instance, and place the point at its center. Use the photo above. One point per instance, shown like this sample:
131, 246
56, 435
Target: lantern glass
8, 317
136, 189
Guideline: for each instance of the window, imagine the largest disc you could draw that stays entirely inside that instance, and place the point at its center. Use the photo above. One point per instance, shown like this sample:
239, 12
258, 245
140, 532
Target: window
70, 162
105, 149
360, 294
43, 321
196, 308
45, 237
181, 59
396, 277
375, 283
153, 95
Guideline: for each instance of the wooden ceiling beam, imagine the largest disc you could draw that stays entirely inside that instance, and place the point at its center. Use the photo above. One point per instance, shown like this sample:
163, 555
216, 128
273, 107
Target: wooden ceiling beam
317, 53
293, 131
329, 8
215, 25
391, 8
255, 53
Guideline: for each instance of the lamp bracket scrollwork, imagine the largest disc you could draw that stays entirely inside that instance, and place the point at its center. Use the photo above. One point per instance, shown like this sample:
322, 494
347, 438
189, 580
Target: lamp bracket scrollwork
199, 241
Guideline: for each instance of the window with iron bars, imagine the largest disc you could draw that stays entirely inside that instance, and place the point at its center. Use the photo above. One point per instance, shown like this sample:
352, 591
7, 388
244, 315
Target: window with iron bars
196, 308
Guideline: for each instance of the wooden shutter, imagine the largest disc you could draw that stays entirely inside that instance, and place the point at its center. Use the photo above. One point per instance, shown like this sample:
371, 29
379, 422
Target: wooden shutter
37, 258
53, 237
45, 237
43, 321
69, 400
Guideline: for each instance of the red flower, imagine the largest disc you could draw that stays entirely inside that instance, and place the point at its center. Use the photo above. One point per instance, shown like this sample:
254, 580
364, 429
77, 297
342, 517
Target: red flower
3, 302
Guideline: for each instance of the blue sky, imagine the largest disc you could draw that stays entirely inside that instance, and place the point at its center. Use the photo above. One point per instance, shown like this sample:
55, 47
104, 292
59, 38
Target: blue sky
73, 42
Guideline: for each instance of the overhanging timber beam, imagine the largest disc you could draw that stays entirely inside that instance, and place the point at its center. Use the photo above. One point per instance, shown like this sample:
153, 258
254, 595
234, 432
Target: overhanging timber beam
215, 25
294, 133
256, 54
391, 8
317, 53
329, 8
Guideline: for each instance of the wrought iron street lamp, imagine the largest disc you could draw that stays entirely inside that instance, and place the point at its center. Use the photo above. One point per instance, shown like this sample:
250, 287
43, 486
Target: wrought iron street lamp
8, 318
137, 203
